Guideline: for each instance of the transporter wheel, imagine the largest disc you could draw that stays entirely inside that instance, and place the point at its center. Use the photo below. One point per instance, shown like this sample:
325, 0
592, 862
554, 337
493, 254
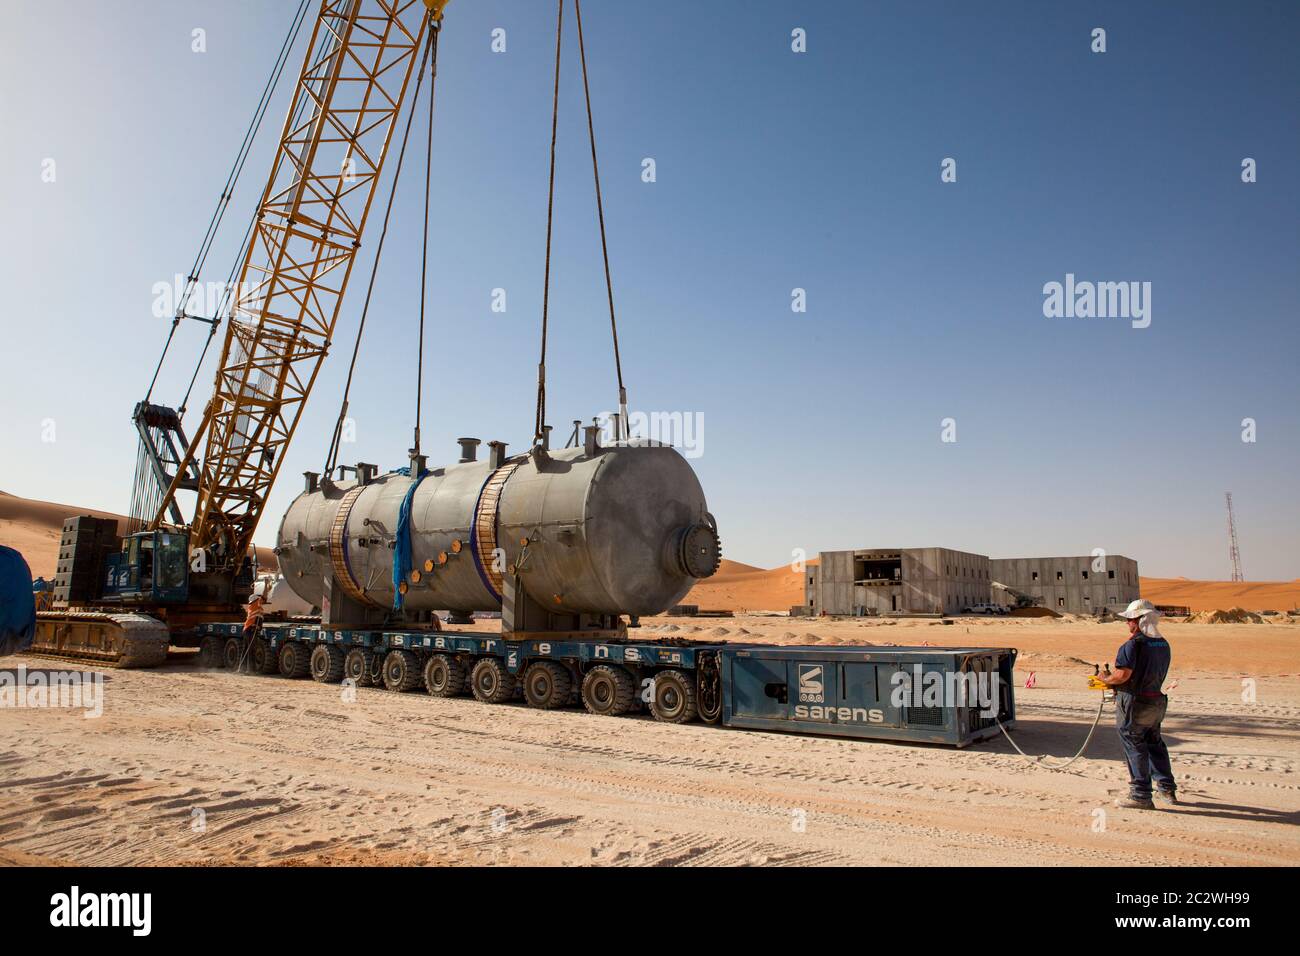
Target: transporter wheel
232, 653
401, 671
490, 682
547, 685
673, 698
211, 653
444, 676
264, 659
608, 690
326, 664
294, 660
357, 666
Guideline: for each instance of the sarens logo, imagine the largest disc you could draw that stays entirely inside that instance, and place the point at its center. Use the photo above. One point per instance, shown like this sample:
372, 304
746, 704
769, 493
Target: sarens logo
840, 715
812, 693
811, 689
102, 909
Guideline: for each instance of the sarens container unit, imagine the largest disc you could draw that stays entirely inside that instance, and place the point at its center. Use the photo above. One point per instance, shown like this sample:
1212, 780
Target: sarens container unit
923, 694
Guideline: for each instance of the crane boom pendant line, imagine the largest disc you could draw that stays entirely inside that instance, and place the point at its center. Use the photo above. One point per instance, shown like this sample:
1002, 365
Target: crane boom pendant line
309, 225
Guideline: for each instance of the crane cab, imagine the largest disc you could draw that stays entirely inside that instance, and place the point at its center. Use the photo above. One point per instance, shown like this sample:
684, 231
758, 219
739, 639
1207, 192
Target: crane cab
152, 567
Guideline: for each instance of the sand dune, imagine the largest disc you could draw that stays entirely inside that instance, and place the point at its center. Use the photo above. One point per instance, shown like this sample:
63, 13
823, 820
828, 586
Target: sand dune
1211, 595
739, 585
33, 527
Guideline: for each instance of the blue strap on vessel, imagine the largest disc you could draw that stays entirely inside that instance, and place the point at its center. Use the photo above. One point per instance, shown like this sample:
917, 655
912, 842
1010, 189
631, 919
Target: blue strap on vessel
402, 549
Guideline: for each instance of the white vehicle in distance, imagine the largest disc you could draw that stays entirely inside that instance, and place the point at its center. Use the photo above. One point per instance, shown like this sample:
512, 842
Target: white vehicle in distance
984, 609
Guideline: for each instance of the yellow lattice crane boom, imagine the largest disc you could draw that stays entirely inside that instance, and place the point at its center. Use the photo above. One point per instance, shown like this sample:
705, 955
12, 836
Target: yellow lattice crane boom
308, 230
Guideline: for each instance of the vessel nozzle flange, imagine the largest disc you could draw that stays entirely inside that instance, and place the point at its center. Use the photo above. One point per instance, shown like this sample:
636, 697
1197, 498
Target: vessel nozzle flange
699, 552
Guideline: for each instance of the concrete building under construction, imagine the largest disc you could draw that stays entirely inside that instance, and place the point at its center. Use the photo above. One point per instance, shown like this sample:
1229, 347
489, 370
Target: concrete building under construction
896, 580
944, 581
1083, 584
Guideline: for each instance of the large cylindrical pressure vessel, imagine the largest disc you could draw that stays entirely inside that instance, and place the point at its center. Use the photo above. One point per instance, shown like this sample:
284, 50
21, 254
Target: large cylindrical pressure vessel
622, 530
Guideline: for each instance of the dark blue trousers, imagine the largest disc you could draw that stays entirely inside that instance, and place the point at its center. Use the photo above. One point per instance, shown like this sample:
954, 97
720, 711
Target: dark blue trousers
1138, 721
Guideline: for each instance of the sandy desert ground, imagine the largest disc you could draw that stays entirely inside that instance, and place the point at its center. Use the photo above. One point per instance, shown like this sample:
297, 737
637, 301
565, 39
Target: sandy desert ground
291, 772
288, 772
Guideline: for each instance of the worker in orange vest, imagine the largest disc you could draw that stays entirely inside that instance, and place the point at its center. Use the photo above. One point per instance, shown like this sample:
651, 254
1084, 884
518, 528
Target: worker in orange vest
254, 611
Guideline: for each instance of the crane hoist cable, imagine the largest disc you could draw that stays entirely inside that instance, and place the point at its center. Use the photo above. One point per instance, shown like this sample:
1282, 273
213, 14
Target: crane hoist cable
227, 193
331, 457
600, 213
540, 420
424, 248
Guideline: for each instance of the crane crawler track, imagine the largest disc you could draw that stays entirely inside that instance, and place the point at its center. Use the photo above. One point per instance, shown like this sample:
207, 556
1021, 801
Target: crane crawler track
111, 639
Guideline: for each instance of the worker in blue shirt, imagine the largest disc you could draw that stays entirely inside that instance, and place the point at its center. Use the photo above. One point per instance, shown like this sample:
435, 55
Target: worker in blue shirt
1140, 704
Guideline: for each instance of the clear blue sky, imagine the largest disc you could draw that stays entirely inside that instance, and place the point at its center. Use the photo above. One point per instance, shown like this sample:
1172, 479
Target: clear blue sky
775, 170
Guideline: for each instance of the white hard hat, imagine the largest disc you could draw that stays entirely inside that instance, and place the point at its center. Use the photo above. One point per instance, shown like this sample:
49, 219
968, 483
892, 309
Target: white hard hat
1138, 609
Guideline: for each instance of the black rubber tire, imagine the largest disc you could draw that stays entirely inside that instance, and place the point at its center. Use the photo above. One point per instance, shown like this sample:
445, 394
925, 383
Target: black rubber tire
401, 671
295, 661
673, 698
211, 653
490, 682
326, 664
265, 661
547, 685
232, 653
608, 690
444, 676
357, 666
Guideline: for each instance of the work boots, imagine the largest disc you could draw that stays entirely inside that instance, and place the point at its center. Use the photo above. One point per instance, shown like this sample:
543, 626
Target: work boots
1134, 803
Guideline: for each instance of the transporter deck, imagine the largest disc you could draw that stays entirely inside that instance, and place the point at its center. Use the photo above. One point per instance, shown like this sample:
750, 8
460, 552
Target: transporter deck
953, 696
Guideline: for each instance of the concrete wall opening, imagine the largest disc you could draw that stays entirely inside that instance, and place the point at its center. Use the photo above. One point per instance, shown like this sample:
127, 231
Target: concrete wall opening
878, 569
